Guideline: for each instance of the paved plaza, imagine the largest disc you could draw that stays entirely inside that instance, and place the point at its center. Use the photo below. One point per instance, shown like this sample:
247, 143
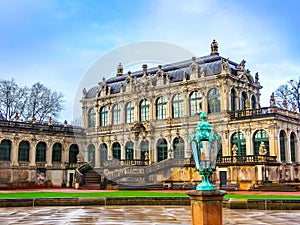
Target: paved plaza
140, 215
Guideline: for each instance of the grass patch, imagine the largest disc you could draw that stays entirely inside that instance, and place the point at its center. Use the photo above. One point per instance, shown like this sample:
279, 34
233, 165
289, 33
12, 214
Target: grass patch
130, 194
268, 197
121, 194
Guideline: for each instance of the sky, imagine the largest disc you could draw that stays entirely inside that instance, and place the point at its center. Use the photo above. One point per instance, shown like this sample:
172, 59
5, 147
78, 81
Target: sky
56, 41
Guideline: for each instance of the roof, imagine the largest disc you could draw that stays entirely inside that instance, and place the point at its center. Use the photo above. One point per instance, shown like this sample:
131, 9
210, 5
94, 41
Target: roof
211, 65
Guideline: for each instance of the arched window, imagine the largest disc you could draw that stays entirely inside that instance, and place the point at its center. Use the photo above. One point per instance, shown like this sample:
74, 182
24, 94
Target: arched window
103, 116
178, 148
177, 106
282, 143
195, 103
161, 108
144, 149
116, 150
233, 100
129, 112
103, 154
213, 101
91, 118
5, 148
23, 153
243, 100
56, 152
116, 111
259, 137
253, 102
73, 152
91, 155
40, 153
129, 150
293, 145
239, 140
144, 110
162, 149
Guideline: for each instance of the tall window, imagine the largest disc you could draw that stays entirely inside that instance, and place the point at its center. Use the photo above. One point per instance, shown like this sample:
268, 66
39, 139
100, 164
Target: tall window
177, 106
253, 102
293, 147
259, 137
116, 114
129, 150
103, 116
103, 154
5, 148
161, 108
73, 152
56, 152
233, 100
144, 149
282, 141
116, 150
40, 152
23, 153
243, 100
144, 110
162, 149
239, 140
91, 155
178, 148
129, 112
213, 101
195, 103
91, 118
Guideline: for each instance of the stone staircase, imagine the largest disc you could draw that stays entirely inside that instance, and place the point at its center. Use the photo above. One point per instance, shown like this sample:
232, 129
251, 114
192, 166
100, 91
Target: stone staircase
280, 187
91, 180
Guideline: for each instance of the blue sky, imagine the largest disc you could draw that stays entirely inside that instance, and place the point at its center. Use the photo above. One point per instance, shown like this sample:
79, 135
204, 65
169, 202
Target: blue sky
55, 41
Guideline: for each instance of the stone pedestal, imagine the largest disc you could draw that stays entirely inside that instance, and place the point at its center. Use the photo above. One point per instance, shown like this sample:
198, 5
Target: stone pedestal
206, 207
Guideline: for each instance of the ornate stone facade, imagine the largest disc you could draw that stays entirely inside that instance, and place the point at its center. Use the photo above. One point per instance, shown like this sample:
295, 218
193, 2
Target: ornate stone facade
145, 119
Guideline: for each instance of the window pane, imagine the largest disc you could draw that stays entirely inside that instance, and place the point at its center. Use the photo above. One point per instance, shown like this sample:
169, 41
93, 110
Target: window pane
144, 110
103, 116
5, 148
23, 154
177, 106
130, 113
116, 114
91, 118
161, 108
41, 152
213, 101
56, 152
195, 103
73, 153
129, 150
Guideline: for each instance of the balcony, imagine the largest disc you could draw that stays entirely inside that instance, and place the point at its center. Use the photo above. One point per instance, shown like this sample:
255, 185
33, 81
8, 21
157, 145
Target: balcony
262, 113
247, 160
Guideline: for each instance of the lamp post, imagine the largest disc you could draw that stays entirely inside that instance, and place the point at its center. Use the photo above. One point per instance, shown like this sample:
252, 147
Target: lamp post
206, 201
205, 145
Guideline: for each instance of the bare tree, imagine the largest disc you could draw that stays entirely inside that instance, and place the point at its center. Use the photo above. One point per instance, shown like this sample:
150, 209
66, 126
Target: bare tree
288, 93
38, 101
43, 103
12, 99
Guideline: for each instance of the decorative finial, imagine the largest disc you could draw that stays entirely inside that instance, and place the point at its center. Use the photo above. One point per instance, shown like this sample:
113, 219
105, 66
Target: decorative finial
145, 69
214, 48
120, 70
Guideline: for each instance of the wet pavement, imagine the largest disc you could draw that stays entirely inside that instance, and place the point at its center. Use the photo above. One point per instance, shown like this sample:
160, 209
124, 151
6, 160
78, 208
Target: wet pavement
140, 215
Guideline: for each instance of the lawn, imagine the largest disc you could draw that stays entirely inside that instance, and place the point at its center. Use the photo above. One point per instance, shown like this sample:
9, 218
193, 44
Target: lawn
131, 194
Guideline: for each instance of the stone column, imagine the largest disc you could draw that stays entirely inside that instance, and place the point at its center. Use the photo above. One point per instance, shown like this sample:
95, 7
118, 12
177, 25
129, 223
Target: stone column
206, 207
32, 153
14, 152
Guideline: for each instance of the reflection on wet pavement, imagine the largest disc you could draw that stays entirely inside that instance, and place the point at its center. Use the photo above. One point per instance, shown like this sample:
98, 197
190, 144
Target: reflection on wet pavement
141, 215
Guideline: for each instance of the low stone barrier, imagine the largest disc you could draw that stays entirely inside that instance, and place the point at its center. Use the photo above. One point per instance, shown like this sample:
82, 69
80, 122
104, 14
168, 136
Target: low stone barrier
227, 203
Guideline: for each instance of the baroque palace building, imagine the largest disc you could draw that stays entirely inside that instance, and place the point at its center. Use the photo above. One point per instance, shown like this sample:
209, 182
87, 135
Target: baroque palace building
136, 130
